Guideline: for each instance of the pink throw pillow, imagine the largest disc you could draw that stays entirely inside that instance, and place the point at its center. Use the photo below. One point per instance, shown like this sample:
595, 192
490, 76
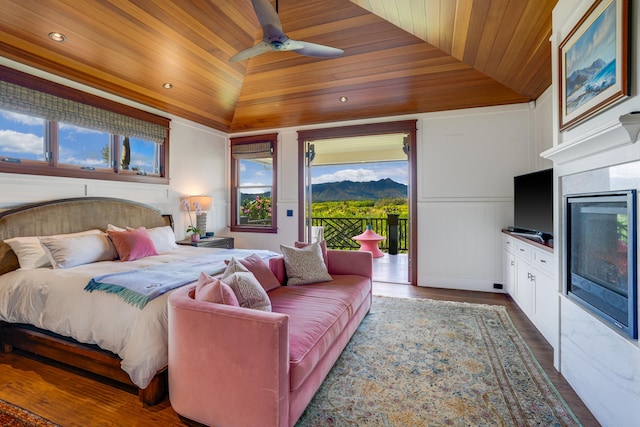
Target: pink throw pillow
213, 290
261, 270
323, 248
132, 244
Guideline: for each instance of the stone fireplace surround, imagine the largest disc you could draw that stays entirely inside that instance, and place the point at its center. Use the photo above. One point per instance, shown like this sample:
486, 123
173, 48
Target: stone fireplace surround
602, 365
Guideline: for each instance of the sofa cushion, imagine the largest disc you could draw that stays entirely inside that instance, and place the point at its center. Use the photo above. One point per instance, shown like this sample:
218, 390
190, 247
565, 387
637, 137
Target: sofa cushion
304, 265
214, 290
323, 249
248, 290
256, 265
318, 313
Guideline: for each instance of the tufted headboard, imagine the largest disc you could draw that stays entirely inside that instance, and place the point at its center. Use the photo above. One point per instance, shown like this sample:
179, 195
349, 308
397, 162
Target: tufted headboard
69, 216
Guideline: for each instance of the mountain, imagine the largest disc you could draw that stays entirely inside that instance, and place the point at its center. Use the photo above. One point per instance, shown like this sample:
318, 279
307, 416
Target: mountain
602, 79
350, 190
579, 77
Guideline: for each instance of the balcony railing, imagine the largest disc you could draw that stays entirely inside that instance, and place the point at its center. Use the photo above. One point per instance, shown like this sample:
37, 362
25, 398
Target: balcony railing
338, 232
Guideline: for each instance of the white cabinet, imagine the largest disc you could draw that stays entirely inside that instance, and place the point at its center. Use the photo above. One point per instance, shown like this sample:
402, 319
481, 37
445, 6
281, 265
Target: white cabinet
530, 277
509, 280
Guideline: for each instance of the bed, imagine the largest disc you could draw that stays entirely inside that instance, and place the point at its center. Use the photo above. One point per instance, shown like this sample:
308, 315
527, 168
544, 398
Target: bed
49, 312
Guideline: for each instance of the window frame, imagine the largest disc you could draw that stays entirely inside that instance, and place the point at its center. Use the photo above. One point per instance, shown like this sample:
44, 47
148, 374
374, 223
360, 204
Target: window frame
235, 226
51, 166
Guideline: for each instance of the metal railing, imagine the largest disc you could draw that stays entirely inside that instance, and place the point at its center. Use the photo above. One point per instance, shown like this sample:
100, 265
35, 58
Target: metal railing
338, 232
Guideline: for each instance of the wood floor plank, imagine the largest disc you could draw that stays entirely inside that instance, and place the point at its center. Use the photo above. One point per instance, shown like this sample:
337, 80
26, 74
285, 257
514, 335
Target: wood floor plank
70, 398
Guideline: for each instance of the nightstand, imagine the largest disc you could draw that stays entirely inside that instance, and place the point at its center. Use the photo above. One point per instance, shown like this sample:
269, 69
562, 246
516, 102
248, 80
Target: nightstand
209, 242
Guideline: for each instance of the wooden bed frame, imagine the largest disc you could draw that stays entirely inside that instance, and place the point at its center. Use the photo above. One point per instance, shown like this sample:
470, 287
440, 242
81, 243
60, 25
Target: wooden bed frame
69, 216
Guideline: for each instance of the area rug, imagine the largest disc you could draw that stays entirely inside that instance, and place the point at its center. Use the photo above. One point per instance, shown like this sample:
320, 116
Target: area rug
14, 416
419, 362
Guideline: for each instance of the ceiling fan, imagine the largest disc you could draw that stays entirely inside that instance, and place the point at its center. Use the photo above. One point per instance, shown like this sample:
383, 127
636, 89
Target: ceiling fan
274, 38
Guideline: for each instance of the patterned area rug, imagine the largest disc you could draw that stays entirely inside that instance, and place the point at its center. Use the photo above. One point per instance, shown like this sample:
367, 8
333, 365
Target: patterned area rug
14, 416
432, 363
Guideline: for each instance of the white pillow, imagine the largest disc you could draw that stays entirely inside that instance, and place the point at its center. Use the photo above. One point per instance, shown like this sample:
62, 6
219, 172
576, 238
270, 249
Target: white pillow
115, 228
30, 252
65, 252
305, 265
163, 238
249, 292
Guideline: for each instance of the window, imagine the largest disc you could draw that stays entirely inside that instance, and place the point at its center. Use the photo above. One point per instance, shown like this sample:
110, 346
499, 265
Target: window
21, 137
253, 183
49, 129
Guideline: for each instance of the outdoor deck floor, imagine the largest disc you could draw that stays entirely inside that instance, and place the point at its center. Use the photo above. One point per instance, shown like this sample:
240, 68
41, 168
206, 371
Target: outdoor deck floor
391, 269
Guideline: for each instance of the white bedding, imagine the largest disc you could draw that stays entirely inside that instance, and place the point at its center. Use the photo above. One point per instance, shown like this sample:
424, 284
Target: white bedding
55, 300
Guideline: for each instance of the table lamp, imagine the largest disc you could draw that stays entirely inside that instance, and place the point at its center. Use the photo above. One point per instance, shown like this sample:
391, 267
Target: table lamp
205, 203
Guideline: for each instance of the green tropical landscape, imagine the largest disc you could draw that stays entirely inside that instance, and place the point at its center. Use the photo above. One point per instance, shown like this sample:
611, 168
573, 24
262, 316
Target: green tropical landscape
370, 199
344, 209
379, 208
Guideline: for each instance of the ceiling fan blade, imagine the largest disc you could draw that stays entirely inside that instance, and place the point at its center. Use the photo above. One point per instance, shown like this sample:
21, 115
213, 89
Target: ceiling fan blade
318, 50
266, 14
274, 38
259, 48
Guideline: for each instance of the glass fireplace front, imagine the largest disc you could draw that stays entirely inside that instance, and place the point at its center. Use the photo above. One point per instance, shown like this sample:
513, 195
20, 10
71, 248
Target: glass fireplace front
601, 256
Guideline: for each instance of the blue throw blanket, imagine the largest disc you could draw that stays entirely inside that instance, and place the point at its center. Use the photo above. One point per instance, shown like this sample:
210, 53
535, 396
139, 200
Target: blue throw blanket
138, 287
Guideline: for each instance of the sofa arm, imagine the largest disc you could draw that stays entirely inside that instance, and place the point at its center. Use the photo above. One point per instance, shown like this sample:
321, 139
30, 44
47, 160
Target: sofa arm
228, 366
350, 262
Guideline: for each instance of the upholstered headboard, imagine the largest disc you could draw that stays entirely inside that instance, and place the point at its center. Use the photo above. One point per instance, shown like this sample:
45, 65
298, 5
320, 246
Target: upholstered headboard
69, 216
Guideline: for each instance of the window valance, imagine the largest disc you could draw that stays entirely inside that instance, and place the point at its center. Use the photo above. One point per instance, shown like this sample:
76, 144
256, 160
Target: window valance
256, 150
33, 102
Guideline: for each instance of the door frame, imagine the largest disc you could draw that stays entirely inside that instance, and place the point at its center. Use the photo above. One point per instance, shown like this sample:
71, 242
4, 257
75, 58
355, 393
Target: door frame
405, 126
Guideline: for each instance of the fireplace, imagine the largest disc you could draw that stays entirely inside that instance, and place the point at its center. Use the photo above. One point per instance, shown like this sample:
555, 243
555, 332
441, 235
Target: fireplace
601, 256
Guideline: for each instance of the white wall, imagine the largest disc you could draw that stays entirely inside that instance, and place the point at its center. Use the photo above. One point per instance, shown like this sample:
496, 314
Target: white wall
197, 165
601, 365
466, 163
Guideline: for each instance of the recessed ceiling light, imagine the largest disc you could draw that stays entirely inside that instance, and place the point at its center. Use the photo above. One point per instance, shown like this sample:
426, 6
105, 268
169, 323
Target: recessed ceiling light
57, 37
167, 85
343, 99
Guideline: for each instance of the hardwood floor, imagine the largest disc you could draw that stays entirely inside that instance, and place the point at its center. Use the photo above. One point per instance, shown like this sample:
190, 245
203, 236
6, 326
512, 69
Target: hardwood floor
73, 399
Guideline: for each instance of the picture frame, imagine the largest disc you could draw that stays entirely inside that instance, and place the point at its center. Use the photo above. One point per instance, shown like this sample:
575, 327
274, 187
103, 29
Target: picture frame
594, 63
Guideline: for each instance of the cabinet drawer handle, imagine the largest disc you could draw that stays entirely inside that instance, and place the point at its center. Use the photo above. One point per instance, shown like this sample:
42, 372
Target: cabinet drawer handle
521, 250
543, 260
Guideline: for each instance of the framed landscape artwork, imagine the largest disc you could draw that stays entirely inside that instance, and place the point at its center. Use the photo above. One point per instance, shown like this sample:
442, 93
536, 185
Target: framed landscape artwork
594, 62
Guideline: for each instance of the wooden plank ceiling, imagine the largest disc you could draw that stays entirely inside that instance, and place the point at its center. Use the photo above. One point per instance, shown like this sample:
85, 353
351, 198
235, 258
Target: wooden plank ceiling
401, 56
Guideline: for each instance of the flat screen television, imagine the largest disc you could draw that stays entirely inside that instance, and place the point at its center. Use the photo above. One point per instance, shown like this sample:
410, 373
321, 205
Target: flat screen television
533, 205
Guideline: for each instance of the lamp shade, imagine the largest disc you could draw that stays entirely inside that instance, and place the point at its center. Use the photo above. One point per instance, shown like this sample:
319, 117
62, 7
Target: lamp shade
205, 202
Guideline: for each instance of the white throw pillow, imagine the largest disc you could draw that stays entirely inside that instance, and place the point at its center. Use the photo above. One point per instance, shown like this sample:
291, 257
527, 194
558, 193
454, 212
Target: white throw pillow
30, 252
305, 265
65, 252
163, 238
115, 228
248, 290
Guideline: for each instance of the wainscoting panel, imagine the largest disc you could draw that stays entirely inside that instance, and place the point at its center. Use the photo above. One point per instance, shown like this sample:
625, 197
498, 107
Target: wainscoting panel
461, 244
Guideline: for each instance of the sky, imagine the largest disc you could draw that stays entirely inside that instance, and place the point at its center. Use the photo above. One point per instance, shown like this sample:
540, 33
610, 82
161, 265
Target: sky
255, 174
397, 171
598, 42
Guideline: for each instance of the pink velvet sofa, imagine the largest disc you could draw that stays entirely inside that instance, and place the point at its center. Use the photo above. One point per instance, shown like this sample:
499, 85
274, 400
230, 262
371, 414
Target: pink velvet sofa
232, 366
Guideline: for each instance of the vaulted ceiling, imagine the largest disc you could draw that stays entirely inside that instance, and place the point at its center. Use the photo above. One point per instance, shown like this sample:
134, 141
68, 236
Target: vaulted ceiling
400, 56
